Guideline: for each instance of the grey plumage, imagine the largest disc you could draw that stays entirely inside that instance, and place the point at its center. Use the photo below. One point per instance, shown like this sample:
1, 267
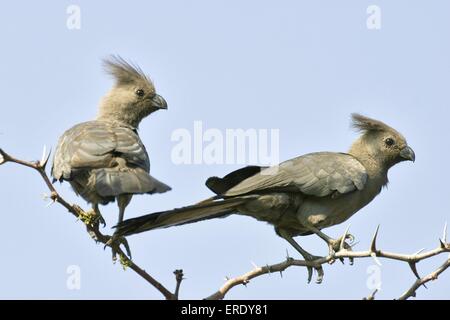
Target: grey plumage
302, 195
105, 159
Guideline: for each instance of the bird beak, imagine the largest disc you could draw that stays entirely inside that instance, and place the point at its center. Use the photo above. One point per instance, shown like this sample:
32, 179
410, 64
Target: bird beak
159, 102
408, 154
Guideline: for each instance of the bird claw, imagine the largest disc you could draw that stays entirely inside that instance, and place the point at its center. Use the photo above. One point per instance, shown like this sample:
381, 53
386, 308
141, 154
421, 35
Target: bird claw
336, 245
320, 275
101, 220
310, 269
91, 218
114, 242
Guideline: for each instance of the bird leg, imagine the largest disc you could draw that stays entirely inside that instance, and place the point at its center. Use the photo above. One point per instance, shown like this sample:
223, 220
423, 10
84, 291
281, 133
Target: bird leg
305, 254
99, 217
334, 245
116, 241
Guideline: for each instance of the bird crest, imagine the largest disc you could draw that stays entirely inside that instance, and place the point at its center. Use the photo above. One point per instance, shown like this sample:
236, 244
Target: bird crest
124, 72
366, 124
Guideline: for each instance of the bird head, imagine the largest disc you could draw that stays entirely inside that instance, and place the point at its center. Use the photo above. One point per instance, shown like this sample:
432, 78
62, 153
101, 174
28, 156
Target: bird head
132, 98
380, 143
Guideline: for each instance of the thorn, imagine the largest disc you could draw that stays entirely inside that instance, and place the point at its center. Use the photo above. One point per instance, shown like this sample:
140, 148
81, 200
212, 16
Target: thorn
226, 278
372, 295
50, 203
46, 197
341, 246
287, 255
419, 251
444, 233
4, 157
375, 258
44, 153
373, 244
254, 265
268, 269
354, 244
442, 244
412, 265
281, 274
45, 157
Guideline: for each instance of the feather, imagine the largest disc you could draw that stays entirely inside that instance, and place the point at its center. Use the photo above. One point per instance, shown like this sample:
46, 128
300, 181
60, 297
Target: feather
363, 123
124, 72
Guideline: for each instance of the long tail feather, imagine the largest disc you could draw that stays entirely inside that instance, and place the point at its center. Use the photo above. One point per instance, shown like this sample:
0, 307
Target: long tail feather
204, 210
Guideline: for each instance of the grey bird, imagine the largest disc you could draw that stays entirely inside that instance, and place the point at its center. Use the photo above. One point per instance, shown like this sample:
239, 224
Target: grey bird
300, 196
105, 160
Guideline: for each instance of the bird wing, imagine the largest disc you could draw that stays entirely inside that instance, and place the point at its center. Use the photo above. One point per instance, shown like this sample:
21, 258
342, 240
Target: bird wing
317, 174
95, 144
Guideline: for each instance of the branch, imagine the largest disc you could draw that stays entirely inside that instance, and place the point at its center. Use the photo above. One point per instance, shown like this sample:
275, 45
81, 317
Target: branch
411, 292
91, 226
412, 260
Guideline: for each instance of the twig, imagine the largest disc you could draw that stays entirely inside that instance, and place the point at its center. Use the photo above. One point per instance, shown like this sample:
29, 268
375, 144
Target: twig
411, 292
92, 229
371, 296
179, 277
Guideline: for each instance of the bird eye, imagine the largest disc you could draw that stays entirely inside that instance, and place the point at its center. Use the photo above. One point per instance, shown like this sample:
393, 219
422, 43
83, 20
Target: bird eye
140, 92
389, 142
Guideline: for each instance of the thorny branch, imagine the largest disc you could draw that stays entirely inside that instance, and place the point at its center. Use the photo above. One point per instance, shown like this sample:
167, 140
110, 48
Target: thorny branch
92, 227
373, 252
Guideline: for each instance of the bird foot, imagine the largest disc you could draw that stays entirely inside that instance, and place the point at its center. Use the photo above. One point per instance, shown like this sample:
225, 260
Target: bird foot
336, 245
91, 218
309, 257
114, 242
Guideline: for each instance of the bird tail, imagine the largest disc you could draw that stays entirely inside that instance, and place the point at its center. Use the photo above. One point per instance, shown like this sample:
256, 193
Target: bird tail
112, 182
207, 209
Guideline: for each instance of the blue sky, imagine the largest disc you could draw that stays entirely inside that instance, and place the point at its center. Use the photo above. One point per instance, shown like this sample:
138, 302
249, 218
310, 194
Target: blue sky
297, 66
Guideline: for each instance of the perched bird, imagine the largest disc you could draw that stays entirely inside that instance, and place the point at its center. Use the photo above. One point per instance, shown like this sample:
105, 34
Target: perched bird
105, 160
300, 196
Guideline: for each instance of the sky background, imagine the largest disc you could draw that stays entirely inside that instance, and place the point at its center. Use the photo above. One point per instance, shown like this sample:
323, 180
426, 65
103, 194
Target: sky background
298, 66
